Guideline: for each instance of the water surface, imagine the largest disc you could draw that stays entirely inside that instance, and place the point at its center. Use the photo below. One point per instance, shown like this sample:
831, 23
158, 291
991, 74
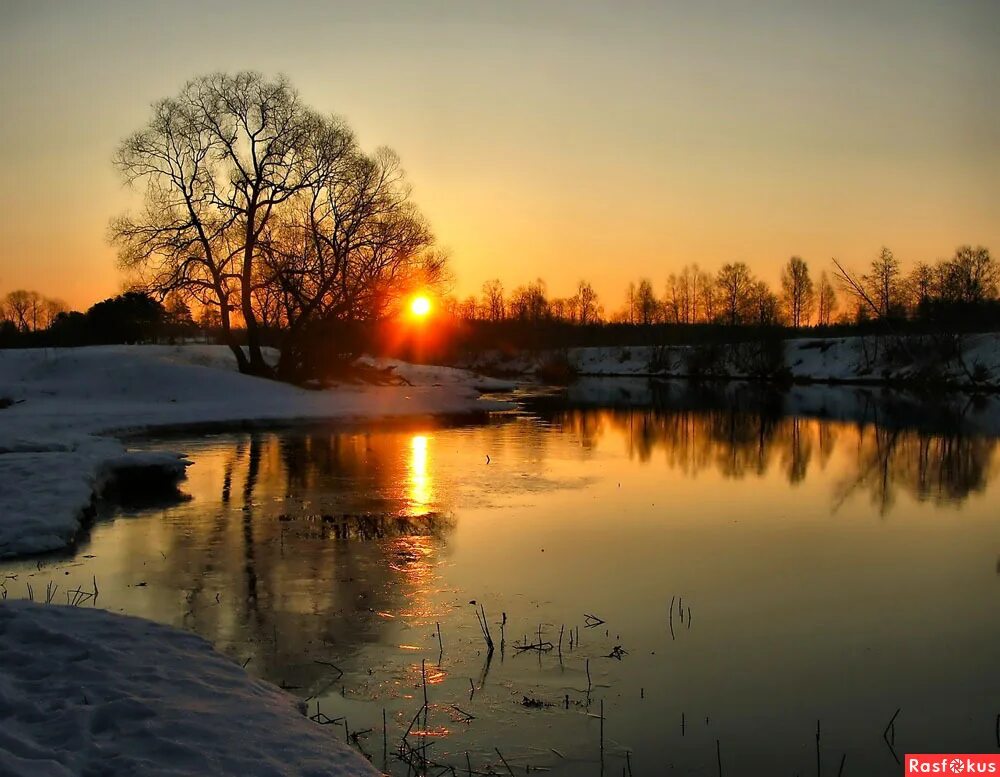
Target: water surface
756, 571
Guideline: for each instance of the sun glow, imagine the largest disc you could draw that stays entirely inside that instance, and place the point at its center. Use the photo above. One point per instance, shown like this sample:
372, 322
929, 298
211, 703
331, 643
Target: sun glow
420, 306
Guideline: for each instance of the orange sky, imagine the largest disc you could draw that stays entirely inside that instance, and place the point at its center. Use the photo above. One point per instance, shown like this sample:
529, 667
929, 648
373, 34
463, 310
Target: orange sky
605, 141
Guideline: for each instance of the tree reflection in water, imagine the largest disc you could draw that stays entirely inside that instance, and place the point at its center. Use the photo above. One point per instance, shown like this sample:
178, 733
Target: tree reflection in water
926, 451
304, 545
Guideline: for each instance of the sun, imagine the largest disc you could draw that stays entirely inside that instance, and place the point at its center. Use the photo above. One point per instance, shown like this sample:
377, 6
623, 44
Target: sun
420, 306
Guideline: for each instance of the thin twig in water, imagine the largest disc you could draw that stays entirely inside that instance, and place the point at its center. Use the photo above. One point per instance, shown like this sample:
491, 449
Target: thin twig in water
423, 677
460, 711
485, 627
818, 763
885, 734
602, 735
504, 761
340, 672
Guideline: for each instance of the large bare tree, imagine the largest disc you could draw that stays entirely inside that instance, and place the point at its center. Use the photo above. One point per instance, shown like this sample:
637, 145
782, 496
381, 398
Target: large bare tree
217, 162
258, 207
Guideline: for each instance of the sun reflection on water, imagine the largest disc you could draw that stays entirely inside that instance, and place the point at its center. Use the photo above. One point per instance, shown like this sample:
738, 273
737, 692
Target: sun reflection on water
421, 488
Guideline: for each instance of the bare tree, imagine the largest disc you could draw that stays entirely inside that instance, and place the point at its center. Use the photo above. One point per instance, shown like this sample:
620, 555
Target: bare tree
826, 297
880, 290
969, 277
588, 308
348, 248
646, 304
706, 295
493, 302
734, 283
797, 292
765, 307
217, 161
18, 306
920, 285
884, 283
30, 311
530, 303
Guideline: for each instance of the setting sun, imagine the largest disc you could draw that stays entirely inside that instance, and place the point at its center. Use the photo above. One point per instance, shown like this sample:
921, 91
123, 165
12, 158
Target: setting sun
420, 306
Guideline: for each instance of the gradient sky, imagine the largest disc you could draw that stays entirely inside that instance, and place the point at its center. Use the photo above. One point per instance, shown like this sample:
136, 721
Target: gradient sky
570, 140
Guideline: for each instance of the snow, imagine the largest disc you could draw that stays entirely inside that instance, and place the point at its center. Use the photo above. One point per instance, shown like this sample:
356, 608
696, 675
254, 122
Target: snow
86, 692
56, 443
842, 359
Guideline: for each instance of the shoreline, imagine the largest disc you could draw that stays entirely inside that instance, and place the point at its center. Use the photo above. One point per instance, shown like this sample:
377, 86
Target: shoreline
75, 409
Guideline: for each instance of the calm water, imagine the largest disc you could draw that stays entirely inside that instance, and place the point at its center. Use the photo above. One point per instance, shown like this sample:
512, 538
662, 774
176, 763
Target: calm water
819, 570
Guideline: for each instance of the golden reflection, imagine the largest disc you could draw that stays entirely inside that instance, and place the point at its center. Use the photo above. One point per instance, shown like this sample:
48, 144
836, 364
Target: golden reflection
943, 467
420, 482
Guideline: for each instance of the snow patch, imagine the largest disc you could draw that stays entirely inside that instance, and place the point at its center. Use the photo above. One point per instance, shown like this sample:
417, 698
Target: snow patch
54, 452
83, 691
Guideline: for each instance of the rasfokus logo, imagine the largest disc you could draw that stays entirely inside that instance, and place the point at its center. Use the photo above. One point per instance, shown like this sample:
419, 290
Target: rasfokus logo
952, 763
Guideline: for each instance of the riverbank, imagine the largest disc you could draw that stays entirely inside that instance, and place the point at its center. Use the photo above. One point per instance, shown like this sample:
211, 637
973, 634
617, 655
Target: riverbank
63, 409
83, 691
971, 362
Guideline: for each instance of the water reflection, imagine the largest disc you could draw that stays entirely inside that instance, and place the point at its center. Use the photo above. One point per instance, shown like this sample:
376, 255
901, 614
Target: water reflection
749, 433
327, 558
420, 486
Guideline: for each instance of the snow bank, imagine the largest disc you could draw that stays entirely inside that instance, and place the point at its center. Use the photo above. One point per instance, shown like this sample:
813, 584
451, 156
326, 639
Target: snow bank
85, 692
54, 452
833, 360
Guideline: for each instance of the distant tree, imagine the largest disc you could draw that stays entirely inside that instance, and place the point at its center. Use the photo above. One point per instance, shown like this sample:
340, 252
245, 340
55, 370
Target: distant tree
52, 309
132, 317
561, 309
530, 303
681, 300
970, 277
29, 311
17, 308
494, 307
879, 292
765, 307
586, 303
468, 309
826, 297
734, 283
630, 305
209, 319
70, 328
706, 295
647, 307
797, 292
920, 285
884, 282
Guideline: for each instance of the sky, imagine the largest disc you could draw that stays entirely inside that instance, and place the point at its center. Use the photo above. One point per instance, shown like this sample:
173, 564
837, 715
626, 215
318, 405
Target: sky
572, 140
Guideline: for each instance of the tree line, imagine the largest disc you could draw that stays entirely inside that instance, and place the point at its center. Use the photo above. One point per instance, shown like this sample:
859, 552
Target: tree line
964, 285
131, 317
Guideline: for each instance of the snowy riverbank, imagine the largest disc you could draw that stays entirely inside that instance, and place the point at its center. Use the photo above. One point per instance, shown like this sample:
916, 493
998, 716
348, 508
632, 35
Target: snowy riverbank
857, 360
64, 406
83, 691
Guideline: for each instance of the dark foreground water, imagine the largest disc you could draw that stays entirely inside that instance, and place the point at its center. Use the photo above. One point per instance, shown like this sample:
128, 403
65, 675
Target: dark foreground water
754, 573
